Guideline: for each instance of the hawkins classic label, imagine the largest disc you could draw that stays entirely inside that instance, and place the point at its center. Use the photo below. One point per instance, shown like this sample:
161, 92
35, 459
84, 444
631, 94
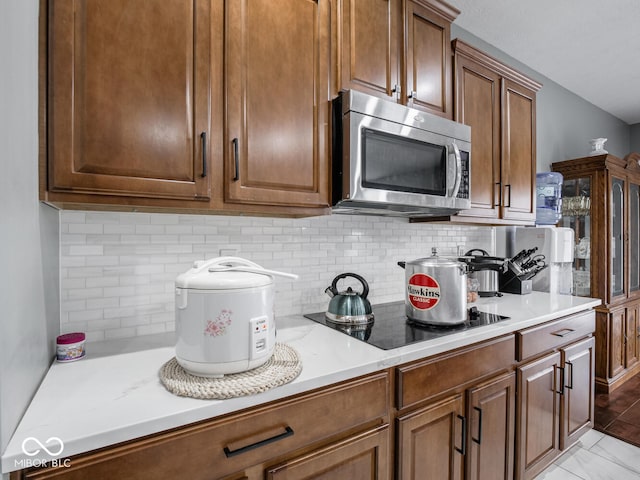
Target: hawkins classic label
423, 291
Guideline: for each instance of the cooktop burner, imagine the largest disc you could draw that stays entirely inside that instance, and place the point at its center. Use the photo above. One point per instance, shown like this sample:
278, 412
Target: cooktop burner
392, 329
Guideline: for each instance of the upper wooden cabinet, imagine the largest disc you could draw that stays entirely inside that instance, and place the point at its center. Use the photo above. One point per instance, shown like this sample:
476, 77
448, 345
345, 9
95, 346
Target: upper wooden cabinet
208, 106
401, 55
277, 107
499, 104
128, 98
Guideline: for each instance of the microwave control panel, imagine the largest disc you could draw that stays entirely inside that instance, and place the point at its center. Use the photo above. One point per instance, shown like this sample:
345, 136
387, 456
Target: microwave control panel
463, 191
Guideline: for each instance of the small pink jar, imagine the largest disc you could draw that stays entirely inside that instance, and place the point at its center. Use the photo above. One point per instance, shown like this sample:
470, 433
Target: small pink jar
70, 347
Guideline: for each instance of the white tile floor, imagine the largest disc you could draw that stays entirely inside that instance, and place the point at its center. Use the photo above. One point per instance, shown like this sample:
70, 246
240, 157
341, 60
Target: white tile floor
596, 457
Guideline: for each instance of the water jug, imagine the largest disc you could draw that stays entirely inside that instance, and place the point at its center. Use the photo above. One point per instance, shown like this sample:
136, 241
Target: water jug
548, 198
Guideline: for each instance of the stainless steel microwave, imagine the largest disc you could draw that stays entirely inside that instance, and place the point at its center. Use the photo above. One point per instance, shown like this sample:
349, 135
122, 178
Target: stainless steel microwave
389, 159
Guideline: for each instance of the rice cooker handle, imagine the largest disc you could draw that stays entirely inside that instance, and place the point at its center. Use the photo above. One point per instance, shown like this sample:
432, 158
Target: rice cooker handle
224, 261
365, 285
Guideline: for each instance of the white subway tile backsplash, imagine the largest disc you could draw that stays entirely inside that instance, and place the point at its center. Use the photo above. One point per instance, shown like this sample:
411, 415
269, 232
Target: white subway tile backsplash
118, 269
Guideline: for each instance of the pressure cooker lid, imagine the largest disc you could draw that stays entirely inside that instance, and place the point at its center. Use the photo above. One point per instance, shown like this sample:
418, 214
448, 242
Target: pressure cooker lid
435, 260
207, 276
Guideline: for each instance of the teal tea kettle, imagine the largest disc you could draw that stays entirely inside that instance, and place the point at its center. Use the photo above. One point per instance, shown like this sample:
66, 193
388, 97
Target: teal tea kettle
349, 307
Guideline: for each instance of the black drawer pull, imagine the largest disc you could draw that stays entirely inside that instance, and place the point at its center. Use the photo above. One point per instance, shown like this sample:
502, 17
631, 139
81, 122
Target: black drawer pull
232, 453
479, 439
563, 333
463, 449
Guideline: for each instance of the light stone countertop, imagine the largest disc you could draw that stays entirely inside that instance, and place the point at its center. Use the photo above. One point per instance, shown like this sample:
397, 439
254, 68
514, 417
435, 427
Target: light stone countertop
114, 394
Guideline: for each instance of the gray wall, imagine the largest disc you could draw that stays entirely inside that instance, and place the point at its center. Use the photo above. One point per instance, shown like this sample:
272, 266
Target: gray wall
29, 231
635, 138
565, 121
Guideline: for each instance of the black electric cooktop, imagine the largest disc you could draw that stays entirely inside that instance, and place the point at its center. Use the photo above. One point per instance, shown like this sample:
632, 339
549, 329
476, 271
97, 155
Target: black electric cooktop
392, 329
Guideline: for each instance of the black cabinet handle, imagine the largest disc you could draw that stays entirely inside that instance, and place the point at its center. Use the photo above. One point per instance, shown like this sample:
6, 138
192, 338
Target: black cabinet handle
203, 139
563, 333
479, 439
570, 386
508, 185
561, 392
499, 191
232, 453
236, 160
463, 449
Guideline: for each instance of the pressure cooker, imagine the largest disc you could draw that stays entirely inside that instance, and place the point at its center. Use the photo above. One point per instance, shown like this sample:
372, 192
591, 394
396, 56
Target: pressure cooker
485, 269
435, 290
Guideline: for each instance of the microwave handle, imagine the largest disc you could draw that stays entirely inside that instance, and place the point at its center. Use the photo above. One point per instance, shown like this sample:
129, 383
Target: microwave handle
456, 153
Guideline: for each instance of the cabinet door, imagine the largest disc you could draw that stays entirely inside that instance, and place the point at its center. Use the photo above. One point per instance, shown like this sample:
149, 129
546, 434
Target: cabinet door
431, 441
634, 239
367, 46
615, 340
128, 98
617, 287
477, 92
362, 457
631, 337
277, 102
427, 60
491, 410
518, 151
538, 415
578, 398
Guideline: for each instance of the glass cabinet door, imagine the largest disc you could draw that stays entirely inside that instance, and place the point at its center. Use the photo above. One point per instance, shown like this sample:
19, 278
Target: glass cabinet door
634, 238
617, 237
576, 214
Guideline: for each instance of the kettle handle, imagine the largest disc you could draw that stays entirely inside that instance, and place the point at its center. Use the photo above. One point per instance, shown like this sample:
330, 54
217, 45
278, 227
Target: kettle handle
365, 285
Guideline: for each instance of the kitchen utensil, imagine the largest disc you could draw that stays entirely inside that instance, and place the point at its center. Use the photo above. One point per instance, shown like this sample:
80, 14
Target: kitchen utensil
224, 316
348, 306
485, 269
436, 290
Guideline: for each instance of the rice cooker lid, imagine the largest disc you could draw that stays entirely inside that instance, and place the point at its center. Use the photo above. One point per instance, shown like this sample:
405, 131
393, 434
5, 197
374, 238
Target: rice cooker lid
200, 278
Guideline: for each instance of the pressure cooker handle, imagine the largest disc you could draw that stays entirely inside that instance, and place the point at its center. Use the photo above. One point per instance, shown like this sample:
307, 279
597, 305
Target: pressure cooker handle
483, 252
365, 285
402, 264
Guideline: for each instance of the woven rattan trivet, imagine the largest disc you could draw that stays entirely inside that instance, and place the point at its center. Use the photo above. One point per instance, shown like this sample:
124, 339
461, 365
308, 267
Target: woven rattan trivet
283, 366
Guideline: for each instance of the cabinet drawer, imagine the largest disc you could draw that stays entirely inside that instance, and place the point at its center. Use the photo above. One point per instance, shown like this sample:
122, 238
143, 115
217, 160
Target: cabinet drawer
216, 448
548, 336
427, 378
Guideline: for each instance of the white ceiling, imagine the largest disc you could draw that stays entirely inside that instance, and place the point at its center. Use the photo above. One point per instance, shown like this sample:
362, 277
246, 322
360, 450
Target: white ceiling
590, 47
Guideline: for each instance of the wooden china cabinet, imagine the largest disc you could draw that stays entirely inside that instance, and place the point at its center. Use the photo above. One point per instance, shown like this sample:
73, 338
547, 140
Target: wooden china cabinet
398, 50
601, 203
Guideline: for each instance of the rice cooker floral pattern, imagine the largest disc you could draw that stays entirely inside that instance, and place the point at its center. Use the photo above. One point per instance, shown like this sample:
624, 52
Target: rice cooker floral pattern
218, 327
423, 291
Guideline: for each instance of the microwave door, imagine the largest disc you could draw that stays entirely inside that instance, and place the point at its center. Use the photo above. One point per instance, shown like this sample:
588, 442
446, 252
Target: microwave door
394, 162
454, 170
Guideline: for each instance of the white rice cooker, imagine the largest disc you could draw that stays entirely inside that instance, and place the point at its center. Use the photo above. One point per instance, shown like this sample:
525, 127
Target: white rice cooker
225, 316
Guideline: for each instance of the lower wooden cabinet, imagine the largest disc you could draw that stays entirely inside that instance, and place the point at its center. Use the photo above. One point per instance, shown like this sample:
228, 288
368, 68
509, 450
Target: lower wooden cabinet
432, 441
361, 457
555, 392
457, 414
468, 435
491, 411
340, 428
